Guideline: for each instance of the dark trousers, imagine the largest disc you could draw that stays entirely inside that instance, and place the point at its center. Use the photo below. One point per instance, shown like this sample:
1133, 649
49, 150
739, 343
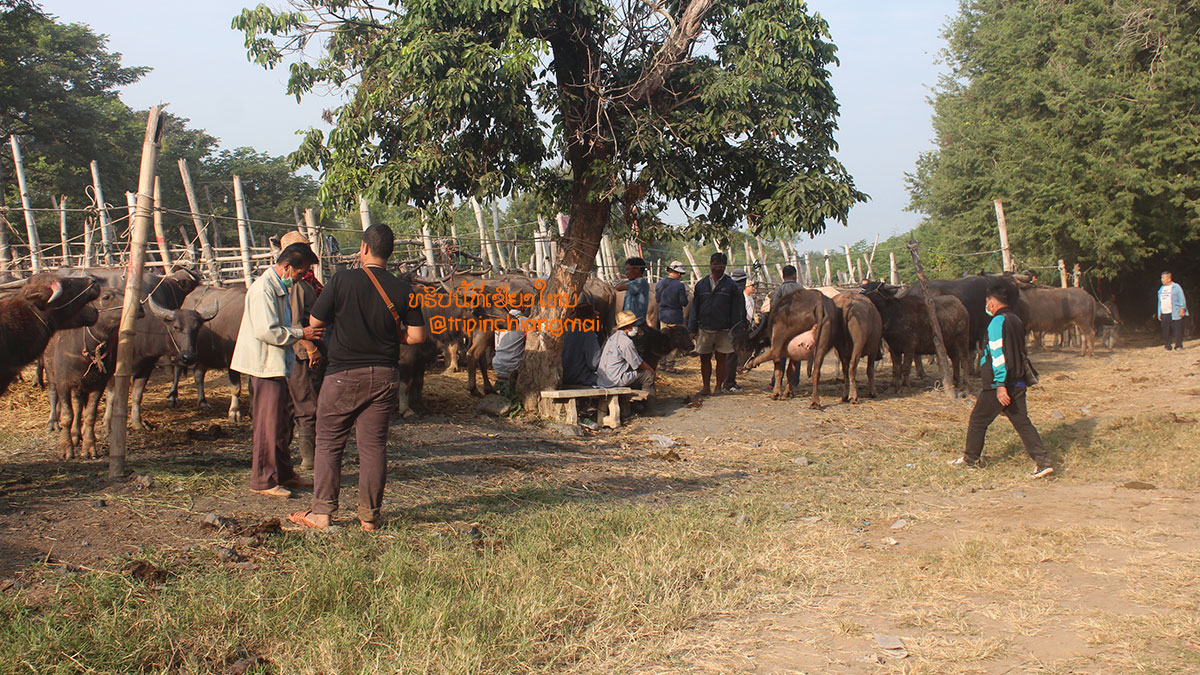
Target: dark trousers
1172, 331
987, 407
366, 396
304, 383
272, 424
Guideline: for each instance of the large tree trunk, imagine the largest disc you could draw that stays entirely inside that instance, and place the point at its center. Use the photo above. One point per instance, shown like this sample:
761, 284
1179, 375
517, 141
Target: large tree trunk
543, 350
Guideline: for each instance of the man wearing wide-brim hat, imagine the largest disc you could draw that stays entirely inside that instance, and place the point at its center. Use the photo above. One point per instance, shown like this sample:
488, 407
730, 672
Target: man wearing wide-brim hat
620, 363
672, 298
304, 382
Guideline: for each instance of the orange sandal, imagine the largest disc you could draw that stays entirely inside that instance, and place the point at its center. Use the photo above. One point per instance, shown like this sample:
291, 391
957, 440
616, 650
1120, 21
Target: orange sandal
301, 518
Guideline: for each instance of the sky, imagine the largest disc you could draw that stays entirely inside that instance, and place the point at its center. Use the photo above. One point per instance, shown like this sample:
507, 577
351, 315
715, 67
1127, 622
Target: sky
887, 49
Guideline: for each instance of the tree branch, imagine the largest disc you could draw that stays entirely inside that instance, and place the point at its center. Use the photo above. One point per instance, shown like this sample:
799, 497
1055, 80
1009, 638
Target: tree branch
670, 55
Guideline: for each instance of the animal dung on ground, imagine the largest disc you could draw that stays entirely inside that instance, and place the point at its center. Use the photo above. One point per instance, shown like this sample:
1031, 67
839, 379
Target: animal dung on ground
1139, 485
146, 572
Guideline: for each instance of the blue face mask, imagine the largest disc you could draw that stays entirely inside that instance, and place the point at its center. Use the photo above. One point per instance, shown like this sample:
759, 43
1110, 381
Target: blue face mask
286, 282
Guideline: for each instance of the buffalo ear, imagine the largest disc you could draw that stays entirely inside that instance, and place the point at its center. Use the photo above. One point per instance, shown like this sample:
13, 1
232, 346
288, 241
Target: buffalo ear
42, 295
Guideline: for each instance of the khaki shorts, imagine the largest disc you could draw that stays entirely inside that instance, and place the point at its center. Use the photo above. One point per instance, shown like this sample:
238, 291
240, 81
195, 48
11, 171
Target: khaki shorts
713, 340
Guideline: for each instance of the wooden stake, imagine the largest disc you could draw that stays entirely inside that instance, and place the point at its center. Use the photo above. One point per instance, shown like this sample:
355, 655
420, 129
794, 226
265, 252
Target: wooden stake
133, 286
501, 248
485, 252
808, 270
160, 234
314, 238
244, 234
5, 245
61, 205
206, 250
871, 260
939, 344
828, 274
895, 277
427, 245
1005, 251
364, 212
1075, 274
35, 246
1062, 271
106, 227
695, 269
849, 264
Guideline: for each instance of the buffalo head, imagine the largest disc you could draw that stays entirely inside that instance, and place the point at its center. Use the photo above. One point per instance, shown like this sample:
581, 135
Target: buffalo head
182, 326
66, 301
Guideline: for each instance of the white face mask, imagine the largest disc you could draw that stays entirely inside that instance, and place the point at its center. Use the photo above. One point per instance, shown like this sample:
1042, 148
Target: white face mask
633, 332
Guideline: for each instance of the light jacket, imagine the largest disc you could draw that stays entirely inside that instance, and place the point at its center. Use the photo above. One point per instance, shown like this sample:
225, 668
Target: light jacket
262, 348
1178, 302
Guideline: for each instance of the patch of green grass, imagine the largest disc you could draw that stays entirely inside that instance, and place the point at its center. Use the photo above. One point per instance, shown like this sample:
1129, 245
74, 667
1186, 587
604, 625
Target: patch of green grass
569, 584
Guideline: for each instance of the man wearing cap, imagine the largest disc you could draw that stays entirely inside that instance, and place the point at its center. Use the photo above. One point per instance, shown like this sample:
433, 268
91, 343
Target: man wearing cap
717, 308
637, 288
264, 352
304, 383
620, 363
510, 349
672, 298
747, 287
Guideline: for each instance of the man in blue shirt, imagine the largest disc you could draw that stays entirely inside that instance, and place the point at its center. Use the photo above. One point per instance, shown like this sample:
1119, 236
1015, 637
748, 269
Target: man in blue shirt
672, 298
1003, 371
1172, 307
637, 289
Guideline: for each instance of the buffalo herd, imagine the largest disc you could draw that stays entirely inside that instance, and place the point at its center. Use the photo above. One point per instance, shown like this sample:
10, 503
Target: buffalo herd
68, 322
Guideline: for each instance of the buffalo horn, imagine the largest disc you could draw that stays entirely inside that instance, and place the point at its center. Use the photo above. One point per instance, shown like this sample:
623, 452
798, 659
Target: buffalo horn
161, 312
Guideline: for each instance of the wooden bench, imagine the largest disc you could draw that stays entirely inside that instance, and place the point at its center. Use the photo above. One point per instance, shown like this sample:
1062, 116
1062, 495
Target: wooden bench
566, 400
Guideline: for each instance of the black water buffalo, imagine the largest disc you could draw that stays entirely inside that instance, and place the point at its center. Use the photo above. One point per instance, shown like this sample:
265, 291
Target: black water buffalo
215, 341
1108, 321
1054, 310
653, 344
971, 291
861, 331
44, 305
908, 333
804, 327
79, 365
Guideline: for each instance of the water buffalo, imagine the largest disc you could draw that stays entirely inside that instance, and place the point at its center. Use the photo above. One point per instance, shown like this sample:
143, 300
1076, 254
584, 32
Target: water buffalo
861, 331
799, 313
971, 291
413, 362
653, 344
1054, 310
215, 341
908, 333
44, 305
1108, 320
79, 365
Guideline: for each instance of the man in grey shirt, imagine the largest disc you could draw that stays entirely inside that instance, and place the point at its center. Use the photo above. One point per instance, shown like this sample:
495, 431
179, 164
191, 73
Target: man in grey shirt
788, 285
620, 363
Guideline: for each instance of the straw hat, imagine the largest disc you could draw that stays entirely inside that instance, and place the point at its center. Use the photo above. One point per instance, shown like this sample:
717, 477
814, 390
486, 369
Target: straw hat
625, 319
292, 237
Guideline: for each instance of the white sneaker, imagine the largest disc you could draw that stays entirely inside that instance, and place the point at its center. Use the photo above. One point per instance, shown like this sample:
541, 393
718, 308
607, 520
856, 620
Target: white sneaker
1042, 473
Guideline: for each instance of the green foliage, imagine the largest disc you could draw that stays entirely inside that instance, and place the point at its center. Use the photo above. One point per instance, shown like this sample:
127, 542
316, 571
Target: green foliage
1081, 116
492, 97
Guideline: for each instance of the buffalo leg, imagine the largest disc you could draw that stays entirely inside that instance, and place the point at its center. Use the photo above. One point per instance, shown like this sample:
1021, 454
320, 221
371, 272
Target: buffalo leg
173, 394
906, 368
53, 423
198, 379
818, 361
135, 405
897, 360
66, 422
871, 375
920, 366
88, 431
235, 411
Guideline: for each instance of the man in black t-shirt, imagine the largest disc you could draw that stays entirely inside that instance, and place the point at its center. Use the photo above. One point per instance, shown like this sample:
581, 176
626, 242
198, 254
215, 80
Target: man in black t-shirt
363, 334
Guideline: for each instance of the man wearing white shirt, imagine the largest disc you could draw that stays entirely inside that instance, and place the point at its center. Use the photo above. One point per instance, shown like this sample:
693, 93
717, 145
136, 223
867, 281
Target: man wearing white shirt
1172, 307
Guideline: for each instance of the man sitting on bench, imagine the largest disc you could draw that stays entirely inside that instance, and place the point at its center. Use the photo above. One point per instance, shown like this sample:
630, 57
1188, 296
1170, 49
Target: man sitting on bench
620, 363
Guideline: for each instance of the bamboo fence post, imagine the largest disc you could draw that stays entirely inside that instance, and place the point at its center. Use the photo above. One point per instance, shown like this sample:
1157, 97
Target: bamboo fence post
1076, 273
5, 245
513, 250
364, 212
133, 286
315, 239
60, 205
849, 264
485, 252
828, 274
1062, 271
1002, 223
106, 227
762, 258
501, 256
860, 271
871, 260
694, 269
35, 246
160, 234
243, 221
542, 247
938, 343
427, 245
206, 248
808, 270
895, 277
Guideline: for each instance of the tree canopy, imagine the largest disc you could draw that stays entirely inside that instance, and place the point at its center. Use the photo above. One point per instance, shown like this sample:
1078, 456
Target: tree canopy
1081, 115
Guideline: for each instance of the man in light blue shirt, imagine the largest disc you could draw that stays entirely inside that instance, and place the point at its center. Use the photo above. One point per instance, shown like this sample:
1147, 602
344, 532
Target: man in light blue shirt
1172, 307
637, 289
620, 363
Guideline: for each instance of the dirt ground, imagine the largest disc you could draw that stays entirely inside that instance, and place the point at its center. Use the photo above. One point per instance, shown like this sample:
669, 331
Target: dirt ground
984, 572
